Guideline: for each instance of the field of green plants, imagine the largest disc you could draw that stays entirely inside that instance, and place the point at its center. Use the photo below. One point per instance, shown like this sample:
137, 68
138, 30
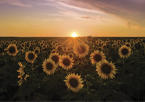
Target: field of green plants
72, 69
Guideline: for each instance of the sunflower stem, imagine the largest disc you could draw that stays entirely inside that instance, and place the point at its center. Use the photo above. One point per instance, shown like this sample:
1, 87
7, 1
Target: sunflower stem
123, 74
144, 48
32, 66
138, 74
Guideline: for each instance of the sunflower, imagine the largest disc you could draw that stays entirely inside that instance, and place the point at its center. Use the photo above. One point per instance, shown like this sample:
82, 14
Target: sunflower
124, 51
128, 44
99, 48
71, 55
12, 49
30, 56
66, 62
106, 69
23, 76
74, 82
37, 50
49, 66
53, 51
97, 56
114, 45
81, 50
34, 47
107, 40
55, 57
59, 48
20, 64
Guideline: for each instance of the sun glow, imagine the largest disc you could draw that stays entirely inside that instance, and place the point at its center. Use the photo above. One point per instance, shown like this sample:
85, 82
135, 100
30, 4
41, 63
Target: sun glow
74, 34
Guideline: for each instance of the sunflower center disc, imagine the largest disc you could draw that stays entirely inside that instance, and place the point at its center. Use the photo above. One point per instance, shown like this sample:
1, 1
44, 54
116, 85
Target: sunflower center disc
55, 58
99, 49
70, 55
81, 49
106, 68
137, 45
124, 51
49, 66
97, 57
73, 82
114, 45
31, 56
59, 48
127, 45
36, 51
66, 62
12, 49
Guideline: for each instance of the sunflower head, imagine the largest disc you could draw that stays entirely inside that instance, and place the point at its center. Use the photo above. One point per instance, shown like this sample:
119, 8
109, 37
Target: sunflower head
71, 55
124, 51
59, 48
137, 45
12, 49
81, 50
100, 49
37, 50
97, 56
49, 66
30, 56
66, 62
53, 51
114, 45
74, 82
106, 69
55, 57
127, 44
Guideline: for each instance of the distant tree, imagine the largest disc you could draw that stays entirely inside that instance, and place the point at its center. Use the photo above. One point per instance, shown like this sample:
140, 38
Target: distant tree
89, 38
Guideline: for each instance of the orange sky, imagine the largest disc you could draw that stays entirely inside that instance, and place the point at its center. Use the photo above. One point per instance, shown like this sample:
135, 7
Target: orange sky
60, 18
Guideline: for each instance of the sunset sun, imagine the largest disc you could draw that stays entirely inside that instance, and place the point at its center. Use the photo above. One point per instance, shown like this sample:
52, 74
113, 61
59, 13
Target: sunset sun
74, 34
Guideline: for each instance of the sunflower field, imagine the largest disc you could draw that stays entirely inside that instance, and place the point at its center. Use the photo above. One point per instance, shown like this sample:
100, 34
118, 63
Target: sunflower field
72, 69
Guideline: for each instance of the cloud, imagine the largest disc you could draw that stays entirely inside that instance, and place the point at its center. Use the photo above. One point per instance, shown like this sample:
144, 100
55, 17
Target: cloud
28, 3
130, 24
76, 15
22, 3
131, 10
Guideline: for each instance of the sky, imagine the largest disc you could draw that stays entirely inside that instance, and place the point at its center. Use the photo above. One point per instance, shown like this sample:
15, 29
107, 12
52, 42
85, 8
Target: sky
60, 18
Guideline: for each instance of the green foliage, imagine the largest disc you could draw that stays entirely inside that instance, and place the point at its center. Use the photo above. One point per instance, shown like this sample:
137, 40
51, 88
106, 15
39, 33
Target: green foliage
128, 84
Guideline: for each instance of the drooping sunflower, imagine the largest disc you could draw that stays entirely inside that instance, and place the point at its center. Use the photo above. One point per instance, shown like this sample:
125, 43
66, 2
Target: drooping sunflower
66, 62
55, 57
106, 69
124, 51
81, 50
30, 56
97, 56
12, 50
74, 82
49, 66
23, 76
20, 64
